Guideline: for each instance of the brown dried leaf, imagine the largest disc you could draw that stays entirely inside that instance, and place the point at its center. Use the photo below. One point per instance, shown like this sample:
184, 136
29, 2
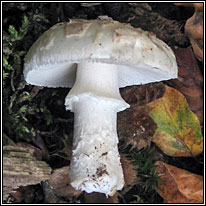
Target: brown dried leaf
60, 183
178, 185
194, 28
190, 80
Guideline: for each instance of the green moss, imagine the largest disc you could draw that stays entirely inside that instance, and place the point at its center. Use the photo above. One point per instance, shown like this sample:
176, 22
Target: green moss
18, 105
146, 171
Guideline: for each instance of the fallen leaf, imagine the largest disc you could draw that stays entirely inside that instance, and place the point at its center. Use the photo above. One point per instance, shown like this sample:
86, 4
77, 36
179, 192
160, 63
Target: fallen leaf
194, 28
178, 185
60, 183
178, 130
190, 80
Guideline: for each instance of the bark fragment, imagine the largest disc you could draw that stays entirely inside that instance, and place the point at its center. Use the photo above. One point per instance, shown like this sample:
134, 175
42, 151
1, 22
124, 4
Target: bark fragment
20, 168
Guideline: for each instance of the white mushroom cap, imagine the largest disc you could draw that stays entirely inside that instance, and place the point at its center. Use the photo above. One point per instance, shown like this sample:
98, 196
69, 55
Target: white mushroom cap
140, 56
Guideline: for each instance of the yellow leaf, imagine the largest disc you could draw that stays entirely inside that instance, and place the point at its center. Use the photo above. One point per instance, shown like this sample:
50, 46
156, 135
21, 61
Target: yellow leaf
178, 130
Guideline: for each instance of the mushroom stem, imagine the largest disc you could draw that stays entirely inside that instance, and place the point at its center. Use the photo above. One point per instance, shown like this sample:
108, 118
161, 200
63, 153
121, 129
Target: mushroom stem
95, 101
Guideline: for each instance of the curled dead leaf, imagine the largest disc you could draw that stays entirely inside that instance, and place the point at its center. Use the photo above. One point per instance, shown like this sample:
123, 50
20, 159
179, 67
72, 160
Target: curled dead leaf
194, 28
178, 185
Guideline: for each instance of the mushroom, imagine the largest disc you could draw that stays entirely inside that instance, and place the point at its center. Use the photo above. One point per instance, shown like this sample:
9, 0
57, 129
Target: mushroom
96, 58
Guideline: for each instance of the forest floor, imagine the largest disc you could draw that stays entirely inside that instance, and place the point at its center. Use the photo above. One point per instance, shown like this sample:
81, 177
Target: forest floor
35, 117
